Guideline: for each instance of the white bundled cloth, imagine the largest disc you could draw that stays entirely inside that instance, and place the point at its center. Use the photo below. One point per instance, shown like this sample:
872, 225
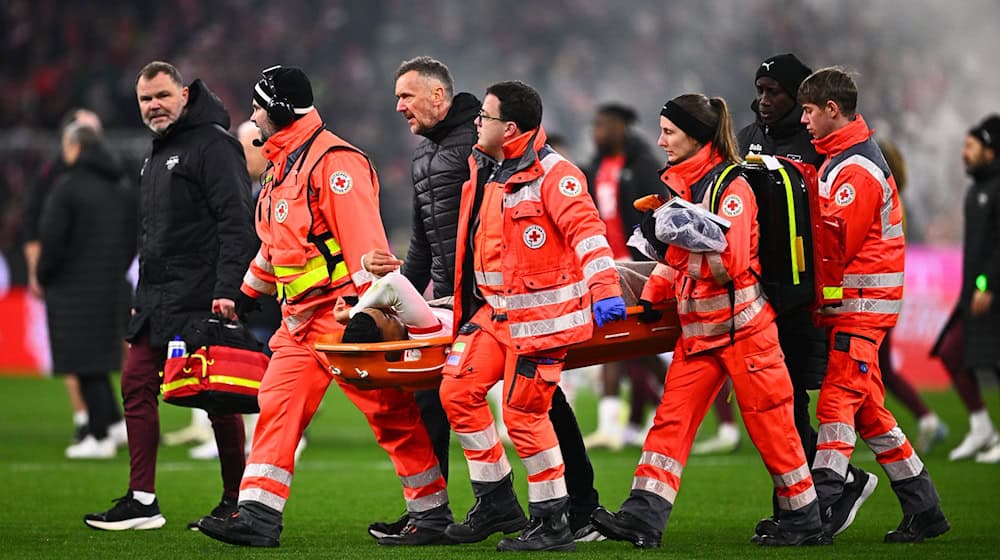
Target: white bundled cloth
691, 227
393, 291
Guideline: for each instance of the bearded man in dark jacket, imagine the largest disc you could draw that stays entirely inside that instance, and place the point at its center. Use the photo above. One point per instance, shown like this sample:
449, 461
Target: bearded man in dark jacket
425, 98
196, 239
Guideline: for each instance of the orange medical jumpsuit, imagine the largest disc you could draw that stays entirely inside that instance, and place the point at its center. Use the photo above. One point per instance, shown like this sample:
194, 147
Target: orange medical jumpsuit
531, 252
316, 216
856, 186
723, 333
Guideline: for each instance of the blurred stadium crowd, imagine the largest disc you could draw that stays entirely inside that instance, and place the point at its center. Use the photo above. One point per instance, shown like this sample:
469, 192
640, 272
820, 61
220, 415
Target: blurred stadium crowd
922, 81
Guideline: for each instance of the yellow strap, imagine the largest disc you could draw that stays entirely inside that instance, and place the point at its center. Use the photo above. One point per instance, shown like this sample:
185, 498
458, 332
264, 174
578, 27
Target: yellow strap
308, 280
792, 233
833, 293
713, 202
230, 380
167, 387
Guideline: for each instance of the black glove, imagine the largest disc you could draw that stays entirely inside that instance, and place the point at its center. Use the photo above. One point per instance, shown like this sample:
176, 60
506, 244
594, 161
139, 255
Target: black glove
649, 315
245, 305
648, 228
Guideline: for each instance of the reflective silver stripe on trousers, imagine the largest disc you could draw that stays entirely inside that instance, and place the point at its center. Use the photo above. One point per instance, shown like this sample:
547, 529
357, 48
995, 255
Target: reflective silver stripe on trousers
654, 486
295, 321
719, 302
886, 280
272, 472
483, 471
889, 231
260, 286
550, 458
792, 477
547, 490
428, 502
479, 441
550, 326
885, 306
591, 243
907, 468
599, 264
362, 277
716, 329
836, 431
263, 263
798, 501
718, 269
887, 441
420, 480
489, 278
546, 297
261, 496
831, 459
662, 462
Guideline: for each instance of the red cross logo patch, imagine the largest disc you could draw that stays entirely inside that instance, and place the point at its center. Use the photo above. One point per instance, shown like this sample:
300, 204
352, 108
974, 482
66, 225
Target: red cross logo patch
732, 206
845, 195
281, 211
570, 186
534, 237
340, 182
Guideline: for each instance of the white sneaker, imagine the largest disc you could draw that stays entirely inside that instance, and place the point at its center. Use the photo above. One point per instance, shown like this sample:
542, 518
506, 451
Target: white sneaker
192, 434
990, 455
635, 436
604, 440
207, 451
92, 448
118, 433
725, 441
931, 431
299, 448
973, 442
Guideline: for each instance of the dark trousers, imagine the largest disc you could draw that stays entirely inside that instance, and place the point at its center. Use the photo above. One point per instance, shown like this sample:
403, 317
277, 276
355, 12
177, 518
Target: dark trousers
140, 392
102, 410
579, 471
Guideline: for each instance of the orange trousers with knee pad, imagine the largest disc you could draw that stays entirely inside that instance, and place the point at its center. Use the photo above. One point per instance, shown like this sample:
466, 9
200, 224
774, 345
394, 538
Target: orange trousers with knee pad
755, 364
851, 399
481, 356
293, 386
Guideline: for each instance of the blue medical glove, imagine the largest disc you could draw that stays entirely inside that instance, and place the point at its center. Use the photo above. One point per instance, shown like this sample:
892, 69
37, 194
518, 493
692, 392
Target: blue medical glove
609, 309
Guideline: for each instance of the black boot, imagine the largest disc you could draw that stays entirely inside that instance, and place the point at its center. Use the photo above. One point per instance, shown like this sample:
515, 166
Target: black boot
225, 508
915, 528
542, 533
623, 526
496, 512
381, 529
766, 526
235, 530
783, 537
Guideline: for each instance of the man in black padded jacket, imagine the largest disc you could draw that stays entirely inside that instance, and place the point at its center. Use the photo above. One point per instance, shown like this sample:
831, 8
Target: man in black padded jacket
425, 98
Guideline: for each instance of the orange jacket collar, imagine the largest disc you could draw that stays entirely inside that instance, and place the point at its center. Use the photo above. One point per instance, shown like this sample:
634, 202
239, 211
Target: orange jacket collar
839, 140
292, 136
681, 176
516, 146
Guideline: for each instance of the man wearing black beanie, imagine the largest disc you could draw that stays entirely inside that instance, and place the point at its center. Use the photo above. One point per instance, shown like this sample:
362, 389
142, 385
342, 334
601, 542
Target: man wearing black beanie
317, 216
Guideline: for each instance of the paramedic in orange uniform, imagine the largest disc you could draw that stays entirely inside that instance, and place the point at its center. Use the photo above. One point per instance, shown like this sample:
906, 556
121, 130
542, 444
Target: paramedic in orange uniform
727, 330
531, 257
856, 186
316, 216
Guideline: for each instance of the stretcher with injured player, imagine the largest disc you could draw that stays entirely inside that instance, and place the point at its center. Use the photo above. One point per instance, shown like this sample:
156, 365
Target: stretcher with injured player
414, 335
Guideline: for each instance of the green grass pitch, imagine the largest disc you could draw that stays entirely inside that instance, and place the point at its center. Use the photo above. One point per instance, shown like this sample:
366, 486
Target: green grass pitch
344, 481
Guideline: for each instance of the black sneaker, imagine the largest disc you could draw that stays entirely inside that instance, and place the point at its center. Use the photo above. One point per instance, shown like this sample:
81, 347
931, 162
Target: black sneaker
541, 533
915, 528
841, 514
766, 526
623, 526
412, 535
381, 529
496, 512
588, 533
781, 537
127, 514
225, 508
234, 530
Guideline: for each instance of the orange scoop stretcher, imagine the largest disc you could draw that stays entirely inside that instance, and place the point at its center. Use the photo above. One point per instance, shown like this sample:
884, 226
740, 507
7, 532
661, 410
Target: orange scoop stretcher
414, 365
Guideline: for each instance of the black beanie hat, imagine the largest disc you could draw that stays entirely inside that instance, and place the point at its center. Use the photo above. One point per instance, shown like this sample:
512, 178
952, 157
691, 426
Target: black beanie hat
787, 70
988, 131
287, 84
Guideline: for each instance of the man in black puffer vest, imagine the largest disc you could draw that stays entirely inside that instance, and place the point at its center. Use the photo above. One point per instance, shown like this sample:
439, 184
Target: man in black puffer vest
424, 90
777, 131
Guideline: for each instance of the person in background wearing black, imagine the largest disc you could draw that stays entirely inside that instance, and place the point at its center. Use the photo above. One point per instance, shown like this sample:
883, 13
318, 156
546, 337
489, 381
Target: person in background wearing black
87, 240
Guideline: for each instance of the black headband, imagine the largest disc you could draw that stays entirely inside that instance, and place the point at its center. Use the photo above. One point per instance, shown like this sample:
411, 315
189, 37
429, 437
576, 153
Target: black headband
690, 125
